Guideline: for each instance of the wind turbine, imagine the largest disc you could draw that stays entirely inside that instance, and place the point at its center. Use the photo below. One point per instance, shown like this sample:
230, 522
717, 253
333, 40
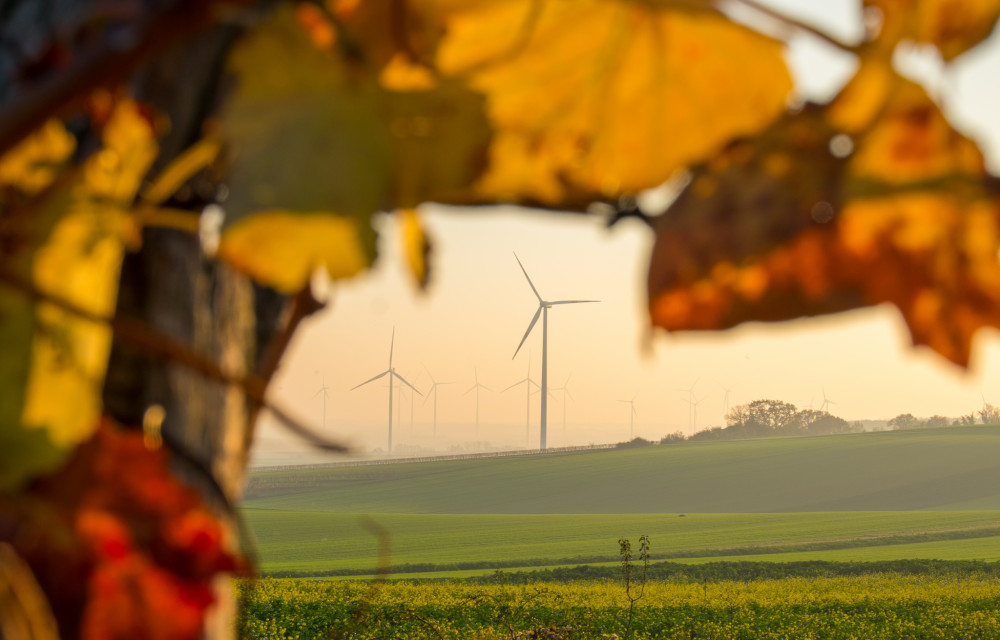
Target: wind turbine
543, 310
434, 386
632, 414
826, 402
325, 390
527, 382
565, 392
725, 399
693, 409
392, 374
691, 402
477, 387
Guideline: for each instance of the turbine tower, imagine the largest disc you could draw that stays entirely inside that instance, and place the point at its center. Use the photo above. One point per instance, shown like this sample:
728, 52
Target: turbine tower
692, 413
543, 310
392, 374
325, 390
693, 409
565, 392
477, 387
725, 399
433, 390
632, 414
527, 382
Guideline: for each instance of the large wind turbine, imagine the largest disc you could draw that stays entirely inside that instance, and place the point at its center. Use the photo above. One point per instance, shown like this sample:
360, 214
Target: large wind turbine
433, 390
543, 310
477, 387
392, 374
693, 408
527, 382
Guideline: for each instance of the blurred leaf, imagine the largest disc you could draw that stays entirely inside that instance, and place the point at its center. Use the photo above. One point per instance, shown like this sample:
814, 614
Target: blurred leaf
416, 246
283, 249
953, 26
317, 141
68, 244
121, 559
595, 98
907, 220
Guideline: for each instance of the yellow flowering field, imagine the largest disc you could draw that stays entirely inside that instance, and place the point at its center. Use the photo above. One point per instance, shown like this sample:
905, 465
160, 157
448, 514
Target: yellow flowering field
883, 606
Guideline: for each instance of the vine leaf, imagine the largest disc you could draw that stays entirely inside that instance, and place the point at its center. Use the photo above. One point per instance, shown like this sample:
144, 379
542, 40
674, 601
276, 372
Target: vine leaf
953, 26
121, 559
68, 241
595, 98
318, 144
907, 220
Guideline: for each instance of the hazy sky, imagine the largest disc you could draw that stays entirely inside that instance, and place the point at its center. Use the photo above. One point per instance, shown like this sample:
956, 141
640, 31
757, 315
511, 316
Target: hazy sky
479, 305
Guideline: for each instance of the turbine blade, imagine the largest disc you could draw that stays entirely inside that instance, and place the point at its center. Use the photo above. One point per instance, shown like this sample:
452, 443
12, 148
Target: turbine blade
370, 380
514, 385
566, 391
531, 284
433, 381
538, 312
470, 390
570, 301
403, 380
487, 388
392, 343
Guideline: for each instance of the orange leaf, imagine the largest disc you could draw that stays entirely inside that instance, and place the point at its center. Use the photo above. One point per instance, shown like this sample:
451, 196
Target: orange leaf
917, 228
594, 98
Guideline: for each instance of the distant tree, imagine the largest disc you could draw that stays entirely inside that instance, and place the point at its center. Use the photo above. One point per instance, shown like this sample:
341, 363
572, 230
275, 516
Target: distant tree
966, 420
673, 438
904, 421
989, 414
772, 414
634, 443
935, 421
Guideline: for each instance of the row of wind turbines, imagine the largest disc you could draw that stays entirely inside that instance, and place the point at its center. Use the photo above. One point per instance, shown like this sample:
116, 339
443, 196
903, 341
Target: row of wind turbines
543, 312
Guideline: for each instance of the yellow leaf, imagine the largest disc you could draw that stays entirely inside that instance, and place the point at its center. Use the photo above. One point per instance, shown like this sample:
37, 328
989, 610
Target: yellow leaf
33, 164
954, 26
416, 246
72, 252
598, 97
283, 249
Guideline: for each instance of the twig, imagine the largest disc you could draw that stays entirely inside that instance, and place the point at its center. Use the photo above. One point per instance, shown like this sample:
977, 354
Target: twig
161, 345
796, 24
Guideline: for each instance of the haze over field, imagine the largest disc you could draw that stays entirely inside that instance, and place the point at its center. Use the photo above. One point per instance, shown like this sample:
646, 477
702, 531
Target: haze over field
478, 305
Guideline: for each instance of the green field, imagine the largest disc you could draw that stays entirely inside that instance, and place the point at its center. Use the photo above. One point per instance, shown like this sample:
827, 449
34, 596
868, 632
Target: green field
909, 494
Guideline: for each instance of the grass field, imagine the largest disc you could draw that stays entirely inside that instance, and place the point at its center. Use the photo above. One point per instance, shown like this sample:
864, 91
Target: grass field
894, 495
937, 469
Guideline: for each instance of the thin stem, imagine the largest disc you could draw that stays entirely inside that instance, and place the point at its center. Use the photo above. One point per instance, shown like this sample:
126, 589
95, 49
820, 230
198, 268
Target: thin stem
796, 24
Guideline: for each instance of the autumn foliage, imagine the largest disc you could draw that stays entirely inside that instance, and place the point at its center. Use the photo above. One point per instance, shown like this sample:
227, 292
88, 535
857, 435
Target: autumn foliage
322, 113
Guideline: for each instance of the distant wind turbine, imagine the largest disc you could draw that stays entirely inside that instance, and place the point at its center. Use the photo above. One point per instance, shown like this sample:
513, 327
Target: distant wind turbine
693, 407
325, 390
527, 382
433, 391
565, 393
691, 403
477, 387
392, 374
826, 402
632, 414
725, 399
543, 310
